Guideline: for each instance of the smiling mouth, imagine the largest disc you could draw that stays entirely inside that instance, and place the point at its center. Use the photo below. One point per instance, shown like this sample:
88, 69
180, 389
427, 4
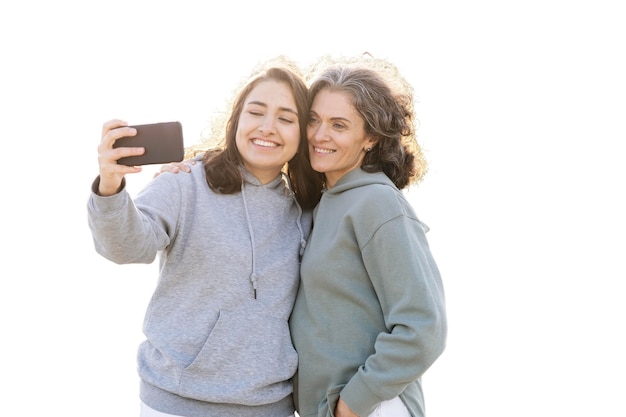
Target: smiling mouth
322, 150
264, 143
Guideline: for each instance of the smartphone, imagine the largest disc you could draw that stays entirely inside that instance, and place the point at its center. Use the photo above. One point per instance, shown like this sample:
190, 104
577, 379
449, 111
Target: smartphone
163, 143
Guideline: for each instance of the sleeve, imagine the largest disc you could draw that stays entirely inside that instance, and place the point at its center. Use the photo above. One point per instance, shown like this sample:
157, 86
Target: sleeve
408, 285
126, 231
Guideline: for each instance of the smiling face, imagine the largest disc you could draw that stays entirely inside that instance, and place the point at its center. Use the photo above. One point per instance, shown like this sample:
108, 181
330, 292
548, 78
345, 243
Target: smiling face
336, 135
268, 131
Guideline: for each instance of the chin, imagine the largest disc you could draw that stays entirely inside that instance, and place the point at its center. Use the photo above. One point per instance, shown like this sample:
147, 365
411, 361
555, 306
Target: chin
317, 167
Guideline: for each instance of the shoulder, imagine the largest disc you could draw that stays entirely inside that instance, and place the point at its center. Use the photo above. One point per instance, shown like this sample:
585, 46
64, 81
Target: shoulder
182, 179
380, 203
169, 187
381, 197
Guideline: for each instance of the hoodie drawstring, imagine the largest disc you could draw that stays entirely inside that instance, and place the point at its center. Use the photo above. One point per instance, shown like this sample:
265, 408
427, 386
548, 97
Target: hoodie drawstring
299, 219
253, 275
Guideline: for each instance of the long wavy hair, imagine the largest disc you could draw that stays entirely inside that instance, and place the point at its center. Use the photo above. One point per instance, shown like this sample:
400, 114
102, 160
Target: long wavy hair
385, 101
222, 161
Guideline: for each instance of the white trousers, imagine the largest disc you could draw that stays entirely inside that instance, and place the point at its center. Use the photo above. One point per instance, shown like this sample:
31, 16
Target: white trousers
151, 412
392, 408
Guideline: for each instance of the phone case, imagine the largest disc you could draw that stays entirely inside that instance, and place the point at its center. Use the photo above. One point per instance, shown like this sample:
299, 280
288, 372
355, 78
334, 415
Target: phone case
163, 143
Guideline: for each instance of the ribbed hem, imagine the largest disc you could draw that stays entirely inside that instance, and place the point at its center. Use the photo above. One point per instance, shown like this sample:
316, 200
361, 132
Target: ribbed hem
167, 402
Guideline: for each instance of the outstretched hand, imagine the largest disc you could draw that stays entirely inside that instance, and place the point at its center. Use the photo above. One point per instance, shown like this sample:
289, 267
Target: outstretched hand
112, 173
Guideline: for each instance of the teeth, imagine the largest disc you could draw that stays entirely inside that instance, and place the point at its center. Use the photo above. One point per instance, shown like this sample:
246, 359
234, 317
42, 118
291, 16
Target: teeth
264, 143
320, 150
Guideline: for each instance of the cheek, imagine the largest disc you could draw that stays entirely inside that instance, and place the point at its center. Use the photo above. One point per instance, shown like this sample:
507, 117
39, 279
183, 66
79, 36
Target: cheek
238, 135
243, 126
292, 137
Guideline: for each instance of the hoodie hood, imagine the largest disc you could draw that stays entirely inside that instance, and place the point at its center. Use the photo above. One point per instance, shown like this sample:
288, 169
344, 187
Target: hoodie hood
276, 184
358, 178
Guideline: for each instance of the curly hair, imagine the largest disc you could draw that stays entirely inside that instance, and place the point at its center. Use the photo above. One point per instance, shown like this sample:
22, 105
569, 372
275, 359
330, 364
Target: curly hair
384, 98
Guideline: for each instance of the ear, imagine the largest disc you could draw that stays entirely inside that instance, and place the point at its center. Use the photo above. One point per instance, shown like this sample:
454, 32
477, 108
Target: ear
369, 143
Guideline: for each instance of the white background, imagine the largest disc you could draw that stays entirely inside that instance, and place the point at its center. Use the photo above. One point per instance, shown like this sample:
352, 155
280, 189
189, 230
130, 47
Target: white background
522, 114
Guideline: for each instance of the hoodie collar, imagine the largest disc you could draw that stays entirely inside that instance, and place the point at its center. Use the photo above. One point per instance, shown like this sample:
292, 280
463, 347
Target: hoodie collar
358, 178
249, 178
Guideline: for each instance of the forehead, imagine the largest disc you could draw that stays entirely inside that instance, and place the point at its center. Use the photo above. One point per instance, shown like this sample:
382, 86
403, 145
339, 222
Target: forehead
271, 93
333, 103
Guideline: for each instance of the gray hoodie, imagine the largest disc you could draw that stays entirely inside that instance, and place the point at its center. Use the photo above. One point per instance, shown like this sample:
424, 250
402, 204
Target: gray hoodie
217, 334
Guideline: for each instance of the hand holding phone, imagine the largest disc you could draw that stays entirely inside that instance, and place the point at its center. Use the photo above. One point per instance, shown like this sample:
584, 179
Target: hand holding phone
163, 143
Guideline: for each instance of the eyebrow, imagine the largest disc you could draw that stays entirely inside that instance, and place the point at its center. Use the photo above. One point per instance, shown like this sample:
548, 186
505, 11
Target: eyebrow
334, 119
260, 103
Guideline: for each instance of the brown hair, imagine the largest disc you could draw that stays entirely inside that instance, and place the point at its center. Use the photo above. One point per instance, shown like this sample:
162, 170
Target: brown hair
222, 161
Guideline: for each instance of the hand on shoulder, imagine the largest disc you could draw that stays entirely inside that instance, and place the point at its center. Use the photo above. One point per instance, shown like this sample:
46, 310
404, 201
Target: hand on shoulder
176, 167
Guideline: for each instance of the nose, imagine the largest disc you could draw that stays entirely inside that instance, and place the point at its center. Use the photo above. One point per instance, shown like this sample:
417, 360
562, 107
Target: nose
267, 127
317, 132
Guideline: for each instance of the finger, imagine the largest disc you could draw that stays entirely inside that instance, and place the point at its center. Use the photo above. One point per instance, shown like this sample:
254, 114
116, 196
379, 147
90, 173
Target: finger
175, 167
123, 152
166, 168
119, 170
186, 164
112, 124
106, 146
109, 155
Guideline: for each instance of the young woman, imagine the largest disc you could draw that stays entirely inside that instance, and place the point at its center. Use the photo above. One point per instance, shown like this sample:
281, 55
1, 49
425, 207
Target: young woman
229, 238
369, 317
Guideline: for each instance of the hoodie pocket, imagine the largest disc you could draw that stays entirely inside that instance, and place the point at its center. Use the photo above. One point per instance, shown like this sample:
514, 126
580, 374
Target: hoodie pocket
247, 359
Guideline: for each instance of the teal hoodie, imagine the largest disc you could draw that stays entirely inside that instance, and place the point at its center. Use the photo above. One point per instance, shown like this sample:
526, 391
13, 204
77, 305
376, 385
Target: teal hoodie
369, 317
217, 334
